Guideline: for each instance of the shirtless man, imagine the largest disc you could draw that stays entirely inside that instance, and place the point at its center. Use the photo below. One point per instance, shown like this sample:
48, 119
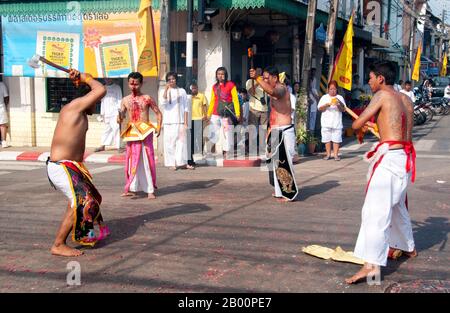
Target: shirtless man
386, 225
280, 132
67, 173
140, 166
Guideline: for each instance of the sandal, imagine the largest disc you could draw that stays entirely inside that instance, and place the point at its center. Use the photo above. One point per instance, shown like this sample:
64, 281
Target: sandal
327, 157
337, 158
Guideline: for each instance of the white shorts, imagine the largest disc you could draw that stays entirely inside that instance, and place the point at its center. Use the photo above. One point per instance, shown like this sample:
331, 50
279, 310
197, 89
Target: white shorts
60, 178
331, 134
3, 115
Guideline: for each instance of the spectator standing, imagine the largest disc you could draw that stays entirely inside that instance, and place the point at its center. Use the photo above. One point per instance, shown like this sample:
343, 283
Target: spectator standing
4, 101
175, 123
407, 91
331, 105
110, 106
258, 116
199, 106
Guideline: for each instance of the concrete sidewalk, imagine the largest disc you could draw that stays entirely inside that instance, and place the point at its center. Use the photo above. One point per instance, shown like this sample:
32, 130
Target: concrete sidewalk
113, 156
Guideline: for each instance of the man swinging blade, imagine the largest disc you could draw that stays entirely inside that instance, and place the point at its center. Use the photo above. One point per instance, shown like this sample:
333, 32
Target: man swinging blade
281, 170
67, 173
386, 224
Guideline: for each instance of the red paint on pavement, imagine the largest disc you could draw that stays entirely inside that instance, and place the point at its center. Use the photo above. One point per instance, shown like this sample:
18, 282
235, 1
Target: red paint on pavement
29, 156
119, 158
242, 163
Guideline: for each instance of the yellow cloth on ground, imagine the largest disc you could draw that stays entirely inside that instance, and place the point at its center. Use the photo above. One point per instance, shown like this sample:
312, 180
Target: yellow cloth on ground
337, 254
137, 131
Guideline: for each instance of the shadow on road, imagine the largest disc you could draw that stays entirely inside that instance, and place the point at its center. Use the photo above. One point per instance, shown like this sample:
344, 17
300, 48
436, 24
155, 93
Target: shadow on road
202, 184
433, 231
312, 190
124, 228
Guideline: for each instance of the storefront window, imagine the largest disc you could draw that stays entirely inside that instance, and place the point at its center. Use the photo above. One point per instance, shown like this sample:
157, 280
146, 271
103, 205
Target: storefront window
60, 91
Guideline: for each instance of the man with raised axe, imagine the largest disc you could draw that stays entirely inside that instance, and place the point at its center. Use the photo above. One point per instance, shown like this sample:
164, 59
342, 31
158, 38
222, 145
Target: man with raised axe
67, 173
386, 226
140, 165
281, 170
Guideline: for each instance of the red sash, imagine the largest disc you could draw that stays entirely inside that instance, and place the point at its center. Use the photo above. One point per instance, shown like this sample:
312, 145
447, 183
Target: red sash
408, 147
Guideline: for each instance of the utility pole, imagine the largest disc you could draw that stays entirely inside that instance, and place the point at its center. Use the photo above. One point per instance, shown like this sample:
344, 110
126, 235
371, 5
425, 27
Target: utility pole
307, 56
441, 35
164, 60
331, 30
411, 44
189, 44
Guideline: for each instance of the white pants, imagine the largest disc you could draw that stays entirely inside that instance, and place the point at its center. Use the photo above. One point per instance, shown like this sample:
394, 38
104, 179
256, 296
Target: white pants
225, 124
290, 142
286, 134
175, 145
312, 119
143, 180
331, 134
385, 218
111, 134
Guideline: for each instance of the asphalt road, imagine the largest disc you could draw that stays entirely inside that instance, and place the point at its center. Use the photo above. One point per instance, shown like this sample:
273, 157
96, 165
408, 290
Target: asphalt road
219, 230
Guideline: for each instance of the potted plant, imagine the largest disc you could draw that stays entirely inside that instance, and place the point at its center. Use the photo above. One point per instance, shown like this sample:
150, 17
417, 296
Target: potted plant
301, 138
311, 141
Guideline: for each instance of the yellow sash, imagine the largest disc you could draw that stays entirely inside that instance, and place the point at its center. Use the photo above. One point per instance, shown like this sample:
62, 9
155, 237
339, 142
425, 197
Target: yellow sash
137, 131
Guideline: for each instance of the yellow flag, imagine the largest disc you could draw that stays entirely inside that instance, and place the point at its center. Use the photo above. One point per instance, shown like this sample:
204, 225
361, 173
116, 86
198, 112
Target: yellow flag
416, 72
147, 46
342, 70
444, 65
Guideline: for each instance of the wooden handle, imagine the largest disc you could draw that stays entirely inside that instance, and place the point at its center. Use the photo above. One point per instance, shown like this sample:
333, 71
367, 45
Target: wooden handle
355, 116
59, 67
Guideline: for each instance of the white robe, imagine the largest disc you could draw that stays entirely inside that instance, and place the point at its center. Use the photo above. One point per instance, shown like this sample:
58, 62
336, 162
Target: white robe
175, 134
385, 218
175, 145
111, 135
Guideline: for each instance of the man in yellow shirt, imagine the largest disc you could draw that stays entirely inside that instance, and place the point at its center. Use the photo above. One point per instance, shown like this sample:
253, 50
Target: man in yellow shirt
199, 117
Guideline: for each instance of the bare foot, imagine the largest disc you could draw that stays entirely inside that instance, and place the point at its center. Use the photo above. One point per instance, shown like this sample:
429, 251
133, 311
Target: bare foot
395, 254
411, 254
65, 250
173, 168
364, 272
151, 196
128, 194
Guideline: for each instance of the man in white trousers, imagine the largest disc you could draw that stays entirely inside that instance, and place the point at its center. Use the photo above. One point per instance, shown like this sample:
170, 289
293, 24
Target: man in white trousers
386, 225
109, 110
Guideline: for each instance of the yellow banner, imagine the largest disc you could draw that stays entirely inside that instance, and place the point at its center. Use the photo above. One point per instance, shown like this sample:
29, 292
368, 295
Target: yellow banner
416, 71
112, 45
147, 45
444, 65
342, 71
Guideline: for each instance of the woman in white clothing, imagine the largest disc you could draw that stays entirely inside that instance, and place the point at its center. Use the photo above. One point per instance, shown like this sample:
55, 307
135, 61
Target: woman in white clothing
331, 105
175, 123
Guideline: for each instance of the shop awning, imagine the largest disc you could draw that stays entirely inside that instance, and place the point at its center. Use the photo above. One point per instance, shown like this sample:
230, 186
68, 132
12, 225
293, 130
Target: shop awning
288, 7
33, 7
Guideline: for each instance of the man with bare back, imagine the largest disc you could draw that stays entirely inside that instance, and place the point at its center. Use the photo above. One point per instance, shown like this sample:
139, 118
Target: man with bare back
67, 173
386, 226
280, 130
140, 166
